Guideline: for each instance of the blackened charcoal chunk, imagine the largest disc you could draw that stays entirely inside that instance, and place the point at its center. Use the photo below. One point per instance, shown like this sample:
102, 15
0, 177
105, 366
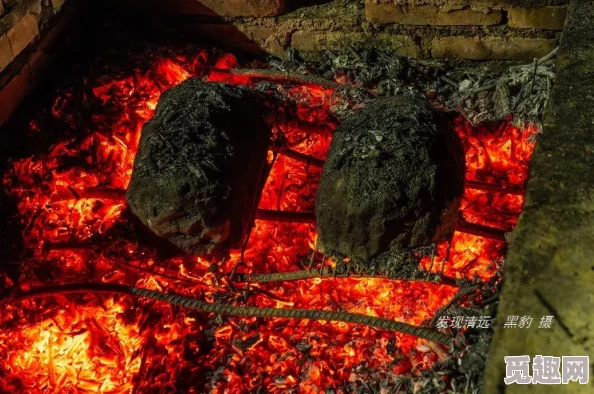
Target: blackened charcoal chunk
392, 181
198, 172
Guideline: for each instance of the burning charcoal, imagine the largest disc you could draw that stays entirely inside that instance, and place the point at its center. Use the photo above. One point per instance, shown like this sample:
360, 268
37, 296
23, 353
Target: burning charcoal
392, 181
246, 344
199, 168
303, 346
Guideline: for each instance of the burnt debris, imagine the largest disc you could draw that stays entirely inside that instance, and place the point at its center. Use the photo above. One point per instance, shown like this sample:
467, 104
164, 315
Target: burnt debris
199, 169
393, 180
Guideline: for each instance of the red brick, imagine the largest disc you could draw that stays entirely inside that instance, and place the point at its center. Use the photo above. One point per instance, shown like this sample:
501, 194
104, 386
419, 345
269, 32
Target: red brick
245, 7
316, 41
547, 18
428, 15
269, 39
487, 48
22, 33
5, 52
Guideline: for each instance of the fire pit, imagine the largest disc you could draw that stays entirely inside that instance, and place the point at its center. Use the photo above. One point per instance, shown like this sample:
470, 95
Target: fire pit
196, 266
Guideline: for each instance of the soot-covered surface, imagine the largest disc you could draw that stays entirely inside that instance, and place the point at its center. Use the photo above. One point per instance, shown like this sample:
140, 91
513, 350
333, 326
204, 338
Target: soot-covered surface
198, 171
392, 180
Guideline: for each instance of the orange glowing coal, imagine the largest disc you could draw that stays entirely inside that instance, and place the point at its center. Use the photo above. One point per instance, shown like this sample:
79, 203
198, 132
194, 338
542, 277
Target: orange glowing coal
70, 201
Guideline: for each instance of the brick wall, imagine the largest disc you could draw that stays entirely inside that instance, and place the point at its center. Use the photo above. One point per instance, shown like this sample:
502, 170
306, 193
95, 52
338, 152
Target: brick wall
21, 23
27, 28
516, 30
471, 29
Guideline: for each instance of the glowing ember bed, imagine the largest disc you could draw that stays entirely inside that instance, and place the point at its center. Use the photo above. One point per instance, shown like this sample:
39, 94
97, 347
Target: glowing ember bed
92, 337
